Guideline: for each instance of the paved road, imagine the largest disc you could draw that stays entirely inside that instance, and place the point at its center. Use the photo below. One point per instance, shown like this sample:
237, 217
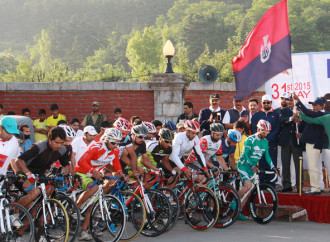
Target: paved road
241, 231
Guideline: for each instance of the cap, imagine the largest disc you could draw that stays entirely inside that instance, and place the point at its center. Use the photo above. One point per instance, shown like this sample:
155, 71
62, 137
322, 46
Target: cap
180, 124
10, 125
215, 96
318, 101
286, 95
96, 103
266, 97
90, 129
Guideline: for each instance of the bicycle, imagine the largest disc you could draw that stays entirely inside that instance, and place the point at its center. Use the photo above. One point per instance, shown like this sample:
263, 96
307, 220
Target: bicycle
199, 203
16, 223
263, 201
107, 219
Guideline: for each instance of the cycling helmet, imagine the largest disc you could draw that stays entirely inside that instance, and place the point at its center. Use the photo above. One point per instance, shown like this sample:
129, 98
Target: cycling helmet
139, 130
169, 124
69, 131
122, 124
151, 128
264, 125
191, 125
112, 134
217, 128
166, 134
234, 135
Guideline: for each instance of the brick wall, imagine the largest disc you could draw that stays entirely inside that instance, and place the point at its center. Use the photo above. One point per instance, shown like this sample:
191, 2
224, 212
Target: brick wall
76, 104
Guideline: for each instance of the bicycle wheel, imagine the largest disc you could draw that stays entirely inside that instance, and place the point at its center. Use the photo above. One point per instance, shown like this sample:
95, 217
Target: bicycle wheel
175, 205
136, 215
264, 207
21, 224
178, 190
112, 225
159, 213
229, 206
73, 213
201, 208
56, 226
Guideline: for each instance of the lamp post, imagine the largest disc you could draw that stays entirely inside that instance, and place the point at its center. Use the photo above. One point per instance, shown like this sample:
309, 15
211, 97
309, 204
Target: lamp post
168, 52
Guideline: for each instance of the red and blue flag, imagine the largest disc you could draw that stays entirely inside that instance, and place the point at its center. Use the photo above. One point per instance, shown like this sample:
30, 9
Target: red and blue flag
265, 53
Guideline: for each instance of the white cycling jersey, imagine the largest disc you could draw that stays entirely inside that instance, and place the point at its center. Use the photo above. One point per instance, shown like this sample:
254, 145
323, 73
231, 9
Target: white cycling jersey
8, 150
181, 145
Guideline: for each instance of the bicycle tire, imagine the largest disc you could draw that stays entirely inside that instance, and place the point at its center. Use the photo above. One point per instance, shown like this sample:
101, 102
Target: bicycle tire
136, 215
160, 219
112, 227
263, 213
201, 204
59, 231
26, 231
229, 206
175, 205
73, 213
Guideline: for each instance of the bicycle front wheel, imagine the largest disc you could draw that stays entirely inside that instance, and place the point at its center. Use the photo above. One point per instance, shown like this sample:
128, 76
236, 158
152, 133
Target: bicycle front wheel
201, 208
175, 205
107, 221
263, 206
21, 224
56, 226
136, 215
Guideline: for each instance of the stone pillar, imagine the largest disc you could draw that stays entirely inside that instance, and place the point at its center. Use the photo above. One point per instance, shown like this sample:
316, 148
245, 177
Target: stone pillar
168, 95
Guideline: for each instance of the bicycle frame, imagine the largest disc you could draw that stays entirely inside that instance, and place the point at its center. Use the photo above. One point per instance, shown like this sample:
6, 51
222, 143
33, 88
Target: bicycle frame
4, 220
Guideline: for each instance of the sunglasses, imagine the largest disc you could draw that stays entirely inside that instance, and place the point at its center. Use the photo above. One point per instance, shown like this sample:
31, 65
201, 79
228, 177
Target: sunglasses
113, 143
266, 103
168, 141
142, 137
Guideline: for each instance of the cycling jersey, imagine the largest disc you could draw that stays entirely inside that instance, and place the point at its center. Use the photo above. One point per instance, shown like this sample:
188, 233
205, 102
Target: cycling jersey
181, 145
41, 156
8, 150
226, 149
208, 147
97, 157
156, 153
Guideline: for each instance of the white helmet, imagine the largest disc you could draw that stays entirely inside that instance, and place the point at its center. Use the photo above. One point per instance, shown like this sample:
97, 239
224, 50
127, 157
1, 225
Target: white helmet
264, 125
112, 134
151, 128
69, 131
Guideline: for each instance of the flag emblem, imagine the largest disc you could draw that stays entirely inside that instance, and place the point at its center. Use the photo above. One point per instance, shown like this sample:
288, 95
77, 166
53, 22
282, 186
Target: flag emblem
266, 49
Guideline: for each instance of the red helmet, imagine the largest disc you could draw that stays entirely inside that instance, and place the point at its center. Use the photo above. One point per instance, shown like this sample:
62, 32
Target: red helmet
191, 125
264, 125
151, 128
122, 124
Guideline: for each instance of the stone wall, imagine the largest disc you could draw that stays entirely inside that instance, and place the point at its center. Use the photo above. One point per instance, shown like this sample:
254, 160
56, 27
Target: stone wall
162, 98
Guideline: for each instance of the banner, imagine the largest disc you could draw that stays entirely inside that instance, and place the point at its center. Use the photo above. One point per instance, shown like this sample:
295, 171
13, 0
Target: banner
311, 76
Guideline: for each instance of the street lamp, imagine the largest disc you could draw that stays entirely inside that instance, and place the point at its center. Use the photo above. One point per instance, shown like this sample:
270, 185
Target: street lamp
168, 52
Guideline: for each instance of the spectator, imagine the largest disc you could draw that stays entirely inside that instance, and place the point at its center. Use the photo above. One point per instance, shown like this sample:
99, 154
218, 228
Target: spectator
39, 125
239, 126
80, 144
95, 118
104, 125
26, 112
53, 119
180, 126
117, 113
188, 112
26, 144
288, 143
136, 120
267, 113
75, 124
1, 109
158, 124
11, 113
315, 139
253, 108
237, 113
212, 114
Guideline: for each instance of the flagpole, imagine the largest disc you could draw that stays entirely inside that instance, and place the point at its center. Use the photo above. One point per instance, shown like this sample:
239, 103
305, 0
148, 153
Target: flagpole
294, 103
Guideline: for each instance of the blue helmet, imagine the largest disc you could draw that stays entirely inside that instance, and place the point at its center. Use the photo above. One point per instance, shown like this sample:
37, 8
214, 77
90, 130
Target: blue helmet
169, 125
234, 135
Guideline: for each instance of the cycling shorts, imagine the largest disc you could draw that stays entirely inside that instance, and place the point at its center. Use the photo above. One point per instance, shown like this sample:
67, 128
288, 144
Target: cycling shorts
85, 180
244, 171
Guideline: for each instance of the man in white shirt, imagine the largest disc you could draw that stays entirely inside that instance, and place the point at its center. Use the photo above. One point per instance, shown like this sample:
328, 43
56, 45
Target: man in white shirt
80, 144
9, 148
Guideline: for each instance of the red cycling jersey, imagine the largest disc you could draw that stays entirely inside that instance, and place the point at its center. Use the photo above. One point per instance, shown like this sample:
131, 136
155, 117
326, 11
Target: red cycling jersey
96, 157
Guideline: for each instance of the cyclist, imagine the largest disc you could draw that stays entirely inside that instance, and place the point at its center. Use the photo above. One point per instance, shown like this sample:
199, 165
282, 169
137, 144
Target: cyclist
229, 146
211, 145
255, 147
169, 125
102, 154
185, 142
138, 136
151, 131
